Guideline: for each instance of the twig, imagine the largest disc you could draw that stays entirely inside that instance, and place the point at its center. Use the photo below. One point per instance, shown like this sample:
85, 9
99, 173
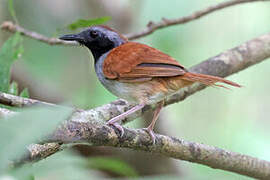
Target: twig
9, 26
38, 152
16, 101
152, 26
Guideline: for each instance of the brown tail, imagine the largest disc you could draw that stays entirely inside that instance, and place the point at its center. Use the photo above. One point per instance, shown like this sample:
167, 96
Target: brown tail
207, 79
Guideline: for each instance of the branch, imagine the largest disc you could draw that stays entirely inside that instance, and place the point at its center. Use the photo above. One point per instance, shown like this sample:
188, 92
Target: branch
17, 101
88, 126
151, 27
13, 28
78, 130
38, 152
98, 134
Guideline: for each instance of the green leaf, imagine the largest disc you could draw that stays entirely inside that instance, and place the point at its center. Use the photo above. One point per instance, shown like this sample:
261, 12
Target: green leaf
9, 52
12, 11
59, 166
24, 128
81, 23
113, 165
25, 93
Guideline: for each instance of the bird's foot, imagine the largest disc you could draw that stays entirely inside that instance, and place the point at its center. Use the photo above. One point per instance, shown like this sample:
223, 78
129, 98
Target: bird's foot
117, 126
151, 134
116, 119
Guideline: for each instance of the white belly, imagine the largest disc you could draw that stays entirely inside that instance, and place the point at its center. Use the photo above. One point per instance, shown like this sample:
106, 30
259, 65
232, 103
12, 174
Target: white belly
132, 92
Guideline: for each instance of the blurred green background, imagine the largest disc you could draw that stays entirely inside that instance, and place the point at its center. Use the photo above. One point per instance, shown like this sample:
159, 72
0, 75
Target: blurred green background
236, 120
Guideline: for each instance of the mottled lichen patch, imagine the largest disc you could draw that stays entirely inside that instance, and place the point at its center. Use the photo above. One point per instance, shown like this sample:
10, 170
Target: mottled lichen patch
113, 137
237, 55
224, 57
243, 51
36, 151
195, 151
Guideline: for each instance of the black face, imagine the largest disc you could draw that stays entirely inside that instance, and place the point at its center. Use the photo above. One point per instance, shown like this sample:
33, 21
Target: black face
97, 38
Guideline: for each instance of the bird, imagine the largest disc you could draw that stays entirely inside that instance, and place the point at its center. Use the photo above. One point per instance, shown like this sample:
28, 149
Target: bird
137, 72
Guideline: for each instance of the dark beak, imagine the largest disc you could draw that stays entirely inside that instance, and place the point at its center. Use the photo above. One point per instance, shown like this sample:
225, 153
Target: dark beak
72, 37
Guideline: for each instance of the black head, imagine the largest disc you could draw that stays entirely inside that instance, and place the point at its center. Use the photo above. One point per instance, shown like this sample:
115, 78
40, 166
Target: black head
99, 39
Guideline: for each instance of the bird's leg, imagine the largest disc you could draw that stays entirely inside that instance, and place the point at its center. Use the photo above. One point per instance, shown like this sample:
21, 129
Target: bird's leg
150, 128
114, 120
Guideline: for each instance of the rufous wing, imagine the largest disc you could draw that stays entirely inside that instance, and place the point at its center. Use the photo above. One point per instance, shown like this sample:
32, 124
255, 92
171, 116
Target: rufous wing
134, 62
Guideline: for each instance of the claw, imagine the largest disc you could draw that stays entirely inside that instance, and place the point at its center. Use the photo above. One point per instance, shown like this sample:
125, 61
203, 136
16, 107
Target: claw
151, 134
117, 126
114, 120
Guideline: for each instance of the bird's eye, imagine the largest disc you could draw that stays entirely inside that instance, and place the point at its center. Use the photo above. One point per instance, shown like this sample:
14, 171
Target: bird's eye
93, 34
